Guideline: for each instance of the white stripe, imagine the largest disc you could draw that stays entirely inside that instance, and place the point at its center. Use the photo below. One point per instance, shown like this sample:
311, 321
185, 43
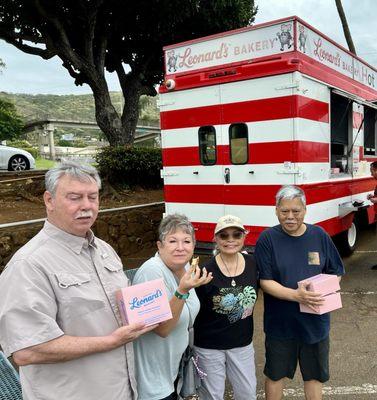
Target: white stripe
280, 130
253, 214
267, 174
358, 293
312, 131
263, 174
247, 90
365, 388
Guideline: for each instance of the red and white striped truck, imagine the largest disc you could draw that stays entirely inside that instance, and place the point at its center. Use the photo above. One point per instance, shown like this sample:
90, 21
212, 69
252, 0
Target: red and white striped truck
246, 111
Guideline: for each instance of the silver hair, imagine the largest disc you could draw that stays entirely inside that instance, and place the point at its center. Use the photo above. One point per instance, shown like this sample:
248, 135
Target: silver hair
80, 172
290, 192
171, 223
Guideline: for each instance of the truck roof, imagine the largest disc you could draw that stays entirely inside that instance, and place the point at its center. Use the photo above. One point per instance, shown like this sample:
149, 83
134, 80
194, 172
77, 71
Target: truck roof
279, 46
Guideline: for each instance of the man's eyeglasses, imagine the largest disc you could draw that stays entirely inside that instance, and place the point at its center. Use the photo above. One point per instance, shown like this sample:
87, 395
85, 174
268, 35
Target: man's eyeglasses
233, 235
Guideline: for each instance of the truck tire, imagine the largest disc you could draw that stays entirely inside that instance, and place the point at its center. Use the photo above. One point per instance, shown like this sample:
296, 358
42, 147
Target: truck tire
346, 241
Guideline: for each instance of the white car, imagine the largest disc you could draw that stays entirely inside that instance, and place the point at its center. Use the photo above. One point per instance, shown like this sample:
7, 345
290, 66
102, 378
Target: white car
14, 159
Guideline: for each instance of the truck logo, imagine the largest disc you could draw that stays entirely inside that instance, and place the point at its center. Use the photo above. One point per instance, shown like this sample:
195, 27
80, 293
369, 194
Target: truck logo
285, 36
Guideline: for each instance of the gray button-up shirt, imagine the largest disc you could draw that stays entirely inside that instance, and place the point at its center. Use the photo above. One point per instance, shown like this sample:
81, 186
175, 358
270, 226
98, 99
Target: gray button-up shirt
60, 284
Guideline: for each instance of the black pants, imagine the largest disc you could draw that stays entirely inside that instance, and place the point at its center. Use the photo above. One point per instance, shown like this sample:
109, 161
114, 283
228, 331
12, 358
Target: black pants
172, 396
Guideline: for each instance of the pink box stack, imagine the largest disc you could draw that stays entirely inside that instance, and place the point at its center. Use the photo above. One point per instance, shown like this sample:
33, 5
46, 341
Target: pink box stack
328, 286
145, 302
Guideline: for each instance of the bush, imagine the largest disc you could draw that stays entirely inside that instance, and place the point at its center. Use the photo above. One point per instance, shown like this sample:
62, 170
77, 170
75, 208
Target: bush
24, 145
131, 166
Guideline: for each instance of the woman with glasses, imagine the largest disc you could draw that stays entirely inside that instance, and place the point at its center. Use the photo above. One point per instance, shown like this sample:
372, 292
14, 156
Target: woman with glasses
223, 329
158, 353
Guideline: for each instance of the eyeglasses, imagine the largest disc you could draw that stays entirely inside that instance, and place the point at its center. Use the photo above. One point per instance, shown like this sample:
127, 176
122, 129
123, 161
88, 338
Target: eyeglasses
234, 235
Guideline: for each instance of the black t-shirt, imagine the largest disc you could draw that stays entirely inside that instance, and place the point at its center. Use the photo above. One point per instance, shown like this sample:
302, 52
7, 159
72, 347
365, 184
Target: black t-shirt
225, 319
288, 259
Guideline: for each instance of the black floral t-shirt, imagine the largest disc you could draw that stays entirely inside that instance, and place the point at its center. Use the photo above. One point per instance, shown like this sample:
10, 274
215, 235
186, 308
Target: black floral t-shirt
225, 319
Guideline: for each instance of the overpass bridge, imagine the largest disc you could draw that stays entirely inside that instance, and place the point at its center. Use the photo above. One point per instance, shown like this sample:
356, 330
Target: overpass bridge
45, 128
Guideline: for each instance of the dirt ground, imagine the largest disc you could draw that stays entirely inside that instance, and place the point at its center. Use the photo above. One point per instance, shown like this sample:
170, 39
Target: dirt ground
23, 205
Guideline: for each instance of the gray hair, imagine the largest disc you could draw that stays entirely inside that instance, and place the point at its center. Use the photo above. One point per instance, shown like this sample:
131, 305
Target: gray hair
290, 192
80, 172
171, 223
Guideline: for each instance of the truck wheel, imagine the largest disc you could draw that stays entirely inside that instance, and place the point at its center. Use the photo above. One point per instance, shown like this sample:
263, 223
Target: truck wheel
346, 241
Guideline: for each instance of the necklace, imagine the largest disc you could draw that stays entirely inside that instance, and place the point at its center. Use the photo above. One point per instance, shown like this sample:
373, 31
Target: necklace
232, 282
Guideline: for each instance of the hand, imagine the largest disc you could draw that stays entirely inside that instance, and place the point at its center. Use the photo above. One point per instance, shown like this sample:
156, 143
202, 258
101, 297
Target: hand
129, 333
194, 279
310, 299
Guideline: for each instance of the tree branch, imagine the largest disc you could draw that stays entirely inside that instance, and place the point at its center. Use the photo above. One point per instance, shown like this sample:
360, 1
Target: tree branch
122, 76
64, 43
44, 53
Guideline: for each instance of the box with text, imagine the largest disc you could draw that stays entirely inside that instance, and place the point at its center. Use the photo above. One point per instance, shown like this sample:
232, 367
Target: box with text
144, 302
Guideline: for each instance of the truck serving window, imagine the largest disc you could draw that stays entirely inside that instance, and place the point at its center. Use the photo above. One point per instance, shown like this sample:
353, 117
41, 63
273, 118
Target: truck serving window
370, 115
207, 145
341, 131
239, 143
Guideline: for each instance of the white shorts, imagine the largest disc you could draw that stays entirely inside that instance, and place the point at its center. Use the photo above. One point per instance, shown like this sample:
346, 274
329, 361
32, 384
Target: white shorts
236, 364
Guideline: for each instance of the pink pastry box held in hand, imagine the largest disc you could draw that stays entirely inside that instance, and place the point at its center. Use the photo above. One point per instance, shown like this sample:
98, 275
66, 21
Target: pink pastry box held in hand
327, 285
145, 302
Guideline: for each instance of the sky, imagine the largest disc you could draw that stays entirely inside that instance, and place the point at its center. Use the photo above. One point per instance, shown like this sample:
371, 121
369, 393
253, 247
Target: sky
26, 73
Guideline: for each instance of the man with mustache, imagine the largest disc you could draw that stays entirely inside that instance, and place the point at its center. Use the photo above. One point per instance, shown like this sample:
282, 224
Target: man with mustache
58, 314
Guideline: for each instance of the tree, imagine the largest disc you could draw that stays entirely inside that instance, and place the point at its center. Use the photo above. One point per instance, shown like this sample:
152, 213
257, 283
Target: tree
346, 29
10, 122
93, 35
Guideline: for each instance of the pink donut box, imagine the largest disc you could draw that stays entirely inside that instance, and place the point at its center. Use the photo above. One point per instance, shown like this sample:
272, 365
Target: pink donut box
328, 286
144, 302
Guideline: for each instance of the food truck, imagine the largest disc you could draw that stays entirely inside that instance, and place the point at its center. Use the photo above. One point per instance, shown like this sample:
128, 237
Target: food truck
246, 111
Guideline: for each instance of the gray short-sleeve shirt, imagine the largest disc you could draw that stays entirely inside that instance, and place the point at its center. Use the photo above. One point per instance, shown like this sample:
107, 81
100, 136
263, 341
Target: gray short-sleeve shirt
63, 284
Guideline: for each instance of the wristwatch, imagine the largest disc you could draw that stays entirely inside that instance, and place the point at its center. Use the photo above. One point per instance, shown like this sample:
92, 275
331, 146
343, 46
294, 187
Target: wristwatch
181, 296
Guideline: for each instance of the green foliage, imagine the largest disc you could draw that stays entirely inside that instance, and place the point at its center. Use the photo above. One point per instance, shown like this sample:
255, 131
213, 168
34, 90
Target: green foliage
75, 107
65, 143
24, 145
10, 122
131, 166
42, 163
92, 36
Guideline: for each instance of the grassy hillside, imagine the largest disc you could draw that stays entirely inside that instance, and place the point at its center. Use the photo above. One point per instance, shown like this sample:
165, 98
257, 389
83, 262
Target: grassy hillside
73, 107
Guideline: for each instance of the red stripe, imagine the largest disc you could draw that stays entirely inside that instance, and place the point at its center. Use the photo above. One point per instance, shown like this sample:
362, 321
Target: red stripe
247, 111
333, 226
259, 153
262, 195
180, 156
204, 232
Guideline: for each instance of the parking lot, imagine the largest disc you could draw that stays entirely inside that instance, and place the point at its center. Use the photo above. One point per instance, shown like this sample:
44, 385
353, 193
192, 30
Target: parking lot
353, 361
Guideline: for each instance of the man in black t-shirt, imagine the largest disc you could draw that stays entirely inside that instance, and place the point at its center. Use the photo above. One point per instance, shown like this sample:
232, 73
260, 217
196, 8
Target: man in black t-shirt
286, 254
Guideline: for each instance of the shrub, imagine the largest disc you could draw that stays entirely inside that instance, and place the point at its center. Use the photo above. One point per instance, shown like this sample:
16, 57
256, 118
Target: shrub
24, 145
131, 166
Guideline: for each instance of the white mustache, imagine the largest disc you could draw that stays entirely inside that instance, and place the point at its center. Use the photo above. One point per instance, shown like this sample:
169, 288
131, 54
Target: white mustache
84, 214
